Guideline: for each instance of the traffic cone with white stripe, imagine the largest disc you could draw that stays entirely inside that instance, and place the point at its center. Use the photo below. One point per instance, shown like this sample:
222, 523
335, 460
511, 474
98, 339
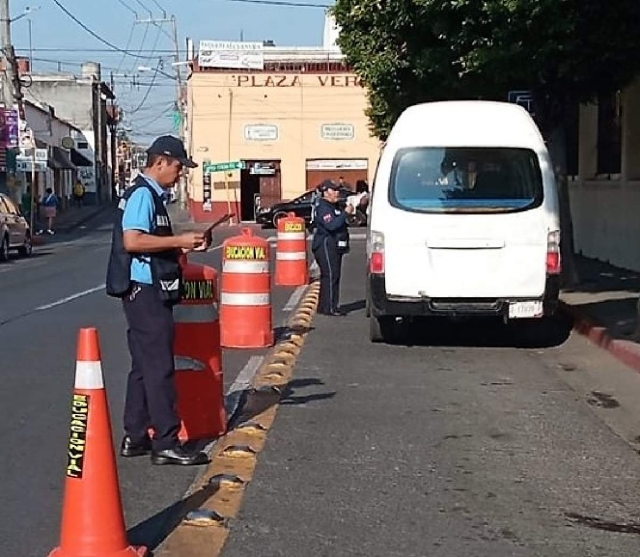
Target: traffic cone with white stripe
92, 518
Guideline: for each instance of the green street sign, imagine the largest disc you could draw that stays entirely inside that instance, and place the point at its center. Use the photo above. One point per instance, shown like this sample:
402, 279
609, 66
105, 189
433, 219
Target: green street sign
223, 166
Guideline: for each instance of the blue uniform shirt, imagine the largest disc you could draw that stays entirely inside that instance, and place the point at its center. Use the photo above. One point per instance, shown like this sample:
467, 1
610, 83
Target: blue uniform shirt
330, 222
139, 214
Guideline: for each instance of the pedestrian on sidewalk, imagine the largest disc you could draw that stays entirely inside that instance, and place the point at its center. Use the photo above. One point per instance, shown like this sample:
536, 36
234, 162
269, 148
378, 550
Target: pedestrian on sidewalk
330, 243
144, 272
50, 208
78, 193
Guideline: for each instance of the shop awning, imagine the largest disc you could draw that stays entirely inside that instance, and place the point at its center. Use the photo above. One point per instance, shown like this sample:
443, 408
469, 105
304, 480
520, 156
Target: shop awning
79, 159
59, 160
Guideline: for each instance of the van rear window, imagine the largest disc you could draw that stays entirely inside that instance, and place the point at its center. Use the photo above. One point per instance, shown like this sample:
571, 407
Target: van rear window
466, 180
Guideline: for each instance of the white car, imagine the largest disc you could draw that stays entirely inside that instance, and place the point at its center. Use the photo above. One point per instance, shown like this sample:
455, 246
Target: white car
464, 217
15, 233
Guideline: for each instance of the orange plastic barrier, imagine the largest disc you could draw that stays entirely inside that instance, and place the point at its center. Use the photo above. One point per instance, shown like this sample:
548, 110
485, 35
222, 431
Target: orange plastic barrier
245, 299
292, 268
198, 356
92, 519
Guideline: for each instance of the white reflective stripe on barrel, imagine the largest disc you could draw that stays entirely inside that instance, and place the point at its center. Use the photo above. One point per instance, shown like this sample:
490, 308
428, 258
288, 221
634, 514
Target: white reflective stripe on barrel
235, 299
245, 267
291, 255
187, 313
291, 236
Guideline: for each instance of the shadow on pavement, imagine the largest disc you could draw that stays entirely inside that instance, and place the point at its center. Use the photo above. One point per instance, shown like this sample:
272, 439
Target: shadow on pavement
290, 398
153, 531
353, 306
485, 333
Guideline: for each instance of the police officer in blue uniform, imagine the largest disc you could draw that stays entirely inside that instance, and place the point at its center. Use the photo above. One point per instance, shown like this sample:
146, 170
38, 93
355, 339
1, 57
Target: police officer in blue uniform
144, 272
330, 243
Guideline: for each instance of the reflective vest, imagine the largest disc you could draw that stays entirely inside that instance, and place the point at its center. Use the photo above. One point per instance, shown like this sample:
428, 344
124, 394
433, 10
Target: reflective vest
166, 272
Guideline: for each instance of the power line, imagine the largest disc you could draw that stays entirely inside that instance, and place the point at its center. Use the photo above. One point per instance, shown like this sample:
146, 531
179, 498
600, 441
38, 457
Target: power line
146, 96
282, 3
123, 3
144, 7
164, 12
92, 33
107, 50
133, 26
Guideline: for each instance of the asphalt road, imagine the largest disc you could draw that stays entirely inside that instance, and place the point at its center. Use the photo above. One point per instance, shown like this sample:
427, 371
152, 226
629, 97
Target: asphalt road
44, 300
468, 440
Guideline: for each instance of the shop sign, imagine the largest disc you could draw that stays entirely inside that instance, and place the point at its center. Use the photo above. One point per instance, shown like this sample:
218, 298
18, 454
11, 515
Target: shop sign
263, 169
231, 54
338, 132
338, 164
289, 80
261, 132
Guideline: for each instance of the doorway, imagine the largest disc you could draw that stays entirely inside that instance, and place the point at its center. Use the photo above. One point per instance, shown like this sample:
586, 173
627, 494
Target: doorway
260, 186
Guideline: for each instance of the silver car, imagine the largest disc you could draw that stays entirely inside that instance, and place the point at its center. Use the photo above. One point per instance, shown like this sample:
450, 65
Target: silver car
15, 233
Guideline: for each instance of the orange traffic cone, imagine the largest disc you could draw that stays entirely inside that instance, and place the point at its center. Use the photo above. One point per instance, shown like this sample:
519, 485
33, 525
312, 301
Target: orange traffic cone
92, 519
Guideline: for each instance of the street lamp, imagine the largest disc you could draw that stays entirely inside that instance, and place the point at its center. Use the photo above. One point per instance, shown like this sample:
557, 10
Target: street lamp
28, 11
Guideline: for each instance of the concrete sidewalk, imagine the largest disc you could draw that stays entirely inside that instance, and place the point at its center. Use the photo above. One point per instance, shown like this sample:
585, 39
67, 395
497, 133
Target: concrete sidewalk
604, 308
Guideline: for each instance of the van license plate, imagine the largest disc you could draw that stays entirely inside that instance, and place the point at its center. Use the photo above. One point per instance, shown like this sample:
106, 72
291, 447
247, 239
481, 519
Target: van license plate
525, 310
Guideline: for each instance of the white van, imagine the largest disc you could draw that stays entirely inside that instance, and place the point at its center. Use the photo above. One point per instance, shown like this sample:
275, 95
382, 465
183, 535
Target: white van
464, 217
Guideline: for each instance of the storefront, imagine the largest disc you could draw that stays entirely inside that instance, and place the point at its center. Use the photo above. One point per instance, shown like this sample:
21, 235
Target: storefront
282, 125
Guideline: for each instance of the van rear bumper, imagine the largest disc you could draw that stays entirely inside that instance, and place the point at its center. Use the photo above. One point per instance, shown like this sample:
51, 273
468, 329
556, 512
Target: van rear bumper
380, 304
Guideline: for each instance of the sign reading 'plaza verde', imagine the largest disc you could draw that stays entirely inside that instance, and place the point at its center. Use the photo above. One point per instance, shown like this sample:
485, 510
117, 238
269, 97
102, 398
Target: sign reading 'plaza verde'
271, 80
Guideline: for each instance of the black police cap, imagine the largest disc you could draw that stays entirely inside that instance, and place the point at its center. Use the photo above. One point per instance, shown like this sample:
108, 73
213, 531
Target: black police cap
170, 146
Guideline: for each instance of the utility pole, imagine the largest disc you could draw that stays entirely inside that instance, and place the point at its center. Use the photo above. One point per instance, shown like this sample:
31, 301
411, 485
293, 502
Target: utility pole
178, 79
12, 95
11, 86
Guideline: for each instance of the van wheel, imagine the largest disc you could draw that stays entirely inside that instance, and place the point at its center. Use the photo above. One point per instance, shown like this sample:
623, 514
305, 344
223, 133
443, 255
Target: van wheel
382, 329
4, 248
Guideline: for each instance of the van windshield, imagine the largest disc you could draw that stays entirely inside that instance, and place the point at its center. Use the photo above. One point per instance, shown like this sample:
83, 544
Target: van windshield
465, 180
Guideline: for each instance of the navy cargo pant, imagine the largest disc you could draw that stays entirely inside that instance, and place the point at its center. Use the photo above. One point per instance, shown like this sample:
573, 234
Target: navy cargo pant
151, 391
330, 263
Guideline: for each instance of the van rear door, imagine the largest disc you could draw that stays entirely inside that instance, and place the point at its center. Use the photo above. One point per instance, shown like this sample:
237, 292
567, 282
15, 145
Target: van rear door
465, 223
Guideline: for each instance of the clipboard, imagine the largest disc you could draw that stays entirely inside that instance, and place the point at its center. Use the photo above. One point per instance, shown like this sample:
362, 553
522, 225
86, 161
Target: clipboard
225, 218
208, 232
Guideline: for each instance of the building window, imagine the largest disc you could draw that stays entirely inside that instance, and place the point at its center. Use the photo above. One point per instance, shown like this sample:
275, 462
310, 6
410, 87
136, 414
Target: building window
609, 134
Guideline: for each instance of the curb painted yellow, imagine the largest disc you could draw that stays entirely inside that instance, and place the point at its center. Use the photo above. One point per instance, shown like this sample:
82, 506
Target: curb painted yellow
214, 500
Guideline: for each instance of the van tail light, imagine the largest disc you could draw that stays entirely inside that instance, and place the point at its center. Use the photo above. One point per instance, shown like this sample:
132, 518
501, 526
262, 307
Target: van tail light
376, 253
554, 264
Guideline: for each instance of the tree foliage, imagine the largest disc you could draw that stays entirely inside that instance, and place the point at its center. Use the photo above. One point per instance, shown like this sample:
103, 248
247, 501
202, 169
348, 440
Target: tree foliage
565, 51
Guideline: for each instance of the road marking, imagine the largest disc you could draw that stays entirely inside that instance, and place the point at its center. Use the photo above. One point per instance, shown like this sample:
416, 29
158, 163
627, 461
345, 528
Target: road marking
241, 385
71, 298
294, 299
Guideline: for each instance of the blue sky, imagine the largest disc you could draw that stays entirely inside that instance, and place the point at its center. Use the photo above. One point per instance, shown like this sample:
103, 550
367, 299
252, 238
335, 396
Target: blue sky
58, 42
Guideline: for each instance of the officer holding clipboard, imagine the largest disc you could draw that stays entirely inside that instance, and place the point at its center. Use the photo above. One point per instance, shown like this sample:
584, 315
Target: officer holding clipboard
144, 272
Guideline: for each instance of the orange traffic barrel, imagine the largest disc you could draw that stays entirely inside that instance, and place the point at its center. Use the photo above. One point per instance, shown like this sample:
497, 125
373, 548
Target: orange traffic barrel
245, 297
291, 252
198, 355
92, 517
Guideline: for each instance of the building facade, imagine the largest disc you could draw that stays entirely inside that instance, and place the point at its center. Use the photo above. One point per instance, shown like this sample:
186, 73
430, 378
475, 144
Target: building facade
605, 186
63, 163
289, 124
82, 101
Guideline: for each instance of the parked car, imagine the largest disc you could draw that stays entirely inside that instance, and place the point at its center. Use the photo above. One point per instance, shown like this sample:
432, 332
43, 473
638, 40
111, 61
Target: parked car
302, 206
15, 233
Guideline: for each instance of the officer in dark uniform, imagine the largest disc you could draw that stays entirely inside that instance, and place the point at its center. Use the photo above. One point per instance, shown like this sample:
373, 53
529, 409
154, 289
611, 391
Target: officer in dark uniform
330, 243
144, 272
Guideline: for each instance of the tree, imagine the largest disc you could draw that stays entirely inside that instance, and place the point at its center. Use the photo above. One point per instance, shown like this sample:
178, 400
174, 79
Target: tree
564, 51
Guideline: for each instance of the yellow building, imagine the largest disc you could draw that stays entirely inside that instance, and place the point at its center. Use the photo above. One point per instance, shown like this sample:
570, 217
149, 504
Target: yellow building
291, 116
